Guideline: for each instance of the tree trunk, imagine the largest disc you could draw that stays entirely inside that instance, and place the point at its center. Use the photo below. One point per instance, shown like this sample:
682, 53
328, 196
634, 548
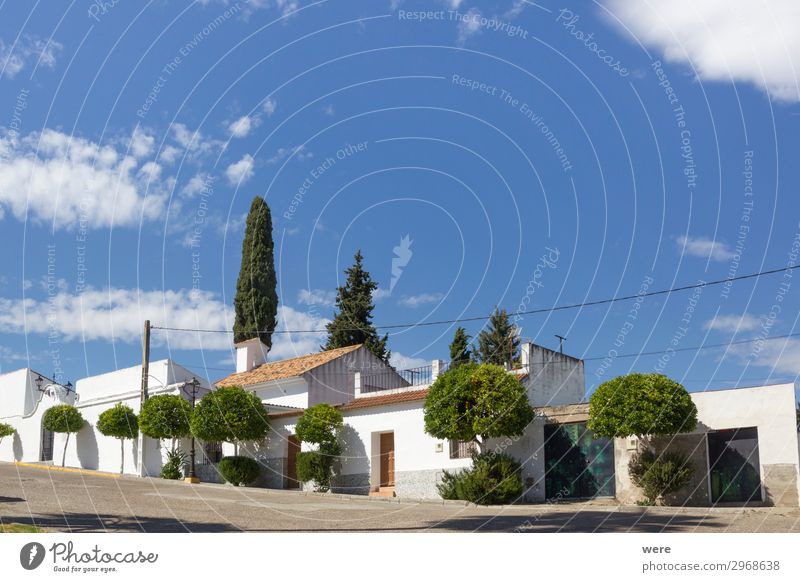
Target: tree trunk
122, 456
479, 443
64, 453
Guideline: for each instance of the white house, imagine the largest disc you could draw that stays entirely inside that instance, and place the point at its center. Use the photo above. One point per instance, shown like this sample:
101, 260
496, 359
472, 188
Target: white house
386, 449
745, 447
25, 395
87, 449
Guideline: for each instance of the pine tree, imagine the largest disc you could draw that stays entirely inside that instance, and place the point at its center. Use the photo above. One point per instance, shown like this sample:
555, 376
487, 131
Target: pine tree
499, 343
256, 301
459, 348
352, 322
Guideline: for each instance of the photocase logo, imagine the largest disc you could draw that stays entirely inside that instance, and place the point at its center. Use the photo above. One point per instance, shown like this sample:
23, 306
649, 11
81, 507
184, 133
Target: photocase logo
402, 255
31, 555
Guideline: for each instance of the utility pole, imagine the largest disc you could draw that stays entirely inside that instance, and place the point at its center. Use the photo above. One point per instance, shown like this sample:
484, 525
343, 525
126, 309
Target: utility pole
561, 339
143, 394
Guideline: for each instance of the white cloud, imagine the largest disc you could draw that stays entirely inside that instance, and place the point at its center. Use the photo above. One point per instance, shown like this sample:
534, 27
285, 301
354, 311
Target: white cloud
734, 323
779, 355
243, 126
401, 362
380, 294
269, 106
116, 315
27, 48
469, 25
316, 297
289, 345
723, 40
60, 179
300, 152
241, 171
193, 143
705, 248
415, 301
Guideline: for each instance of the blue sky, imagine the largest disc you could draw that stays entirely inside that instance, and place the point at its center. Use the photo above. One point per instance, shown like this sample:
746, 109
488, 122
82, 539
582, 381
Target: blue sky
500, 153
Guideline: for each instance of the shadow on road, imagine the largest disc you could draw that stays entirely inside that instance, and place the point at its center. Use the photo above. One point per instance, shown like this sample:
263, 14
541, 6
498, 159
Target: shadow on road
580, 521
86, 522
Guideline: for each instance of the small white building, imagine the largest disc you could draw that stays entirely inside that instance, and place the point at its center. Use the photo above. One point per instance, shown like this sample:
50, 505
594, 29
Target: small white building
88, 448
386, 449
25, 395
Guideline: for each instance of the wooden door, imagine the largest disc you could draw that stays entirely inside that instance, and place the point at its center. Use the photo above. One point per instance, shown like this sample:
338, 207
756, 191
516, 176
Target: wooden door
387, 459
291, 462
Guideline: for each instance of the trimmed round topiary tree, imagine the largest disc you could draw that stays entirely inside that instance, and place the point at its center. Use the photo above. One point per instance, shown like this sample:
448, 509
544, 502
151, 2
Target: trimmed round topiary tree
65, 419
238, 470
475, 402
230, 414
641, 404
166, 417
119, 422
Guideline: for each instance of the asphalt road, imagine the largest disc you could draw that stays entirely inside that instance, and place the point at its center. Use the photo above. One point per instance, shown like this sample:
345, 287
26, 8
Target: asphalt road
78, 503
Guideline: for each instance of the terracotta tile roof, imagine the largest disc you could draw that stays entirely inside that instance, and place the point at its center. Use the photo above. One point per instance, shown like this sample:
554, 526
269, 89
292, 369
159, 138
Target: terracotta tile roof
396, 398
367, 402
282, 369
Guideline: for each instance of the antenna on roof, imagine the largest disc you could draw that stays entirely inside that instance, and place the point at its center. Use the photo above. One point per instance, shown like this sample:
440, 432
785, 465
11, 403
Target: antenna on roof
561, 339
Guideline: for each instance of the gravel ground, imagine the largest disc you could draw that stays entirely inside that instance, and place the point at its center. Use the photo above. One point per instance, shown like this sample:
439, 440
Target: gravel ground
73, 502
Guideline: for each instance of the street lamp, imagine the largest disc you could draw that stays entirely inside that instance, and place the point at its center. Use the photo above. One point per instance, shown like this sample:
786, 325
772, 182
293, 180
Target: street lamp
192, 388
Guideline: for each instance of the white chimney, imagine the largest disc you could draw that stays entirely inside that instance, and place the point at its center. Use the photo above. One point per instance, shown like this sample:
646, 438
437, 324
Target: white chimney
250, 354
437, 366
525, 356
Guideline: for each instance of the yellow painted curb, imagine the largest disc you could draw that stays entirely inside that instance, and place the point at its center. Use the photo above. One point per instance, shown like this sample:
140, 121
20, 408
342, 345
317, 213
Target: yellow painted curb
67, 470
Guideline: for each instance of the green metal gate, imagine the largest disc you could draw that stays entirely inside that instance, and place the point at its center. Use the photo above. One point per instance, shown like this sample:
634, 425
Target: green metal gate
578, 466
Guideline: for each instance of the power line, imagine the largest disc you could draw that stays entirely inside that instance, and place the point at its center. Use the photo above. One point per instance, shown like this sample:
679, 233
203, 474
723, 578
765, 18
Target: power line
635, 355
528, 312
694, 348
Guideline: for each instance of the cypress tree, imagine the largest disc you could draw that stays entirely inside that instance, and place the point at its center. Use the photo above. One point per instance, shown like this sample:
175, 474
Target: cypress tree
459, 348
352, 321
499, 344
256, 301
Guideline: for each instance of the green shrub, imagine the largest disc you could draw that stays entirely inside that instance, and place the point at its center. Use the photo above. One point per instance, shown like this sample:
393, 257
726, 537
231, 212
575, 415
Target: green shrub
238, 470
173, 467
641, 404
493, 479
319, 424
447, 486
230, 414
165, 416
6, 430
658, 475
317, 466
63, 418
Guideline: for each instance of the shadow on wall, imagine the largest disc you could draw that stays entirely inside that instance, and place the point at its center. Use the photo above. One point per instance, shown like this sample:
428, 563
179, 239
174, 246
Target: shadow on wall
86, 443
354, 462
17, 447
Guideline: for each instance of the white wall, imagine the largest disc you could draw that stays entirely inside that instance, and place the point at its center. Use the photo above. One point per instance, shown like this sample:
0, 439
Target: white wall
769, 408
553, 378
89, 449
291, 392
